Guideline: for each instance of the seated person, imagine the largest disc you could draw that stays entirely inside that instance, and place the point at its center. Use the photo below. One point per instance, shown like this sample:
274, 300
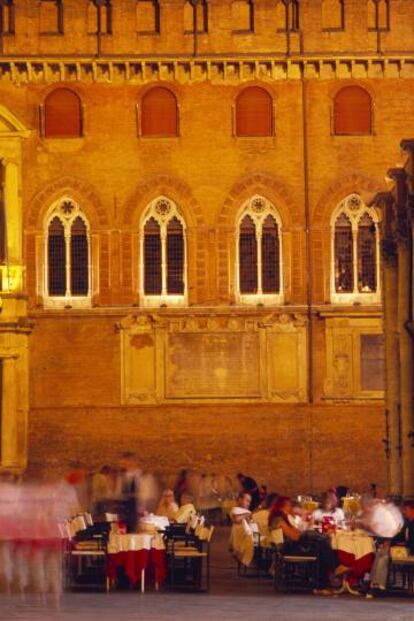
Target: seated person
328, 510
308, 544
167, 506
387, 520
261, 515
186, 510
242, 510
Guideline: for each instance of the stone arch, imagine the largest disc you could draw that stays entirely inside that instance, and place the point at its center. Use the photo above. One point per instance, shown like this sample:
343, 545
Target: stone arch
267, 186
336, 192
80, 190
163, 185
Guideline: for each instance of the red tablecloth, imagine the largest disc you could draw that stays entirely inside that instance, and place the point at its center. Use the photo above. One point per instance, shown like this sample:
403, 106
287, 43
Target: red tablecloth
135, 553
355, 550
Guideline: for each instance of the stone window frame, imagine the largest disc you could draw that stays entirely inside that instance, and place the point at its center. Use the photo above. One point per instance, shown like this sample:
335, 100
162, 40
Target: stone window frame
387, 7
8, 25
60, 209
157, 18
204, 9
162, 209
354, 208
342, 25
259, 208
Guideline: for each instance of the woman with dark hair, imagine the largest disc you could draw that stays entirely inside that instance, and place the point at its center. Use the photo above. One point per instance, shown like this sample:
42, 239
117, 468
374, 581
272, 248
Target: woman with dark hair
306, 543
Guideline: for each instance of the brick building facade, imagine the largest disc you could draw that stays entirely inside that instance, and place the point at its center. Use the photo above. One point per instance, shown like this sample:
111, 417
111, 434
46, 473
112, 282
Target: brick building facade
136, 127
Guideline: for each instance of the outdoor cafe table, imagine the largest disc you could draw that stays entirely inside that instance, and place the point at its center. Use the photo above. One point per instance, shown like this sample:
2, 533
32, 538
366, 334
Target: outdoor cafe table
137, 554
356, 550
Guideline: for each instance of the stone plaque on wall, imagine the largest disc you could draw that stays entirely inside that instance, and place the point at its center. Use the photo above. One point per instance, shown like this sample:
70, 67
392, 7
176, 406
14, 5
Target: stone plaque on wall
213, 366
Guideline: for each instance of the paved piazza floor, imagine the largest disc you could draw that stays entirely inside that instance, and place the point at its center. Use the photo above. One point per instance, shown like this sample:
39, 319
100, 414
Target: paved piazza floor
230, 598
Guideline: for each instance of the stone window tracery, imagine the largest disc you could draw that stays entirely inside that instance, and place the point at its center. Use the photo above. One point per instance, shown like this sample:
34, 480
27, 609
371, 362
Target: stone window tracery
333, 15
242, 14
51, 17
378, 13
100, 17
259, 253
148, 16
67, 255
355, 252
163, 255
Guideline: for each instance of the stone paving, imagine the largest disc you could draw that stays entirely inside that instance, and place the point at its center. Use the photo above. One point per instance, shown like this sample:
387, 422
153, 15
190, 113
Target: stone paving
231, 597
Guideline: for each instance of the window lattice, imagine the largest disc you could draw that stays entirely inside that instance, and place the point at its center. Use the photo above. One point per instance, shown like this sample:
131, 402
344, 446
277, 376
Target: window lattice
270, 256
163, 251
248, 256
56, 258
175, 257
355, 252
79, 258
344, 269
367, 259
152, 258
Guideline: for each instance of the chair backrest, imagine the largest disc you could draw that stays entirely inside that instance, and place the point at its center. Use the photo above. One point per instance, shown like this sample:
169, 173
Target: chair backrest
276, 537
205, 533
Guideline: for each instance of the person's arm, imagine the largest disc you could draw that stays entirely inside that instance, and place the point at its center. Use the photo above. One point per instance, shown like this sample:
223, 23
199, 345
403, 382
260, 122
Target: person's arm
291, 532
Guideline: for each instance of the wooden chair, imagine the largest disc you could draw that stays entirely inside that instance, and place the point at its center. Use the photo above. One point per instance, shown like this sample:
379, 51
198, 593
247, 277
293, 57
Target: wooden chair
293, 572
189, 559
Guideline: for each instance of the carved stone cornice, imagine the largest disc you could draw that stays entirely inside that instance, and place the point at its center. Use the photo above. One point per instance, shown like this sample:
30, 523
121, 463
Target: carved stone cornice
217, 69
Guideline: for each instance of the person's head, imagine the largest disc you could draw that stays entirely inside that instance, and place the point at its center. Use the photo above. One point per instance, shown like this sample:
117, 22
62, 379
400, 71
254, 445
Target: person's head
168, 496
408, 510
244, 500
282, 504
107, 470
341, 491
329, 501
241, 477
127, 460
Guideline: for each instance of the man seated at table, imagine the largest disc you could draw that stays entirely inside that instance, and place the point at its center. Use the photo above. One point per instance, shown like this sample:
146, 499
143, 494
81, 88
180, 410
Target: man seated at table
242, 510
186, 510
328, 511
167, 506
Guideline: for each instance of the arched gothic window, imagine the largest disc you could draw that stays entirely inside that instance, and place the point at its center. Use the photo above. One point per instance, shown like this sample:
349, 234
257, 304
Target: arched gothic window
352, 111
67, 251
163, 254
259, 253
378, 12
254, 112
62, 114
7, 17
196, 12
159, 113
355, 252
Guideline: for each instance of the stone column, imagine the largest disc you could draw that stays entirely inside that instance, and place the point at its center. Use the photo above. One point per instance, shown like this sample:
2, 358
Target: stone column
9, 423
13, 212
392, 372
406, 368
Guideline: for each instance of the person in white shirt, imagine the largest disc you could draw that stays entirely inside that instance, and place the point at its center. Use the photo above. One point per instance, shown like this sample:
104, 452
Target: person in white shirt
328, 509
242, 510
186, 510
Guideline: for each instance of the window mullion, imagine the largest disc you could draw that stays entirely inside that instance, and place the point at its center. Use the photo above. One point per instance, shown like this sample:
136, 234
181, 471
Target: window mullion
259, 258
164, 290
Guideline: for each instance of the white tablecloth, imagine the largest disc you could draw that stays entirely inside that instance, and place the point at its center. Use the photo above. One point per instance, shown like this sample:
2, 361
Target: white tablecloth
358, 543
134, 542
